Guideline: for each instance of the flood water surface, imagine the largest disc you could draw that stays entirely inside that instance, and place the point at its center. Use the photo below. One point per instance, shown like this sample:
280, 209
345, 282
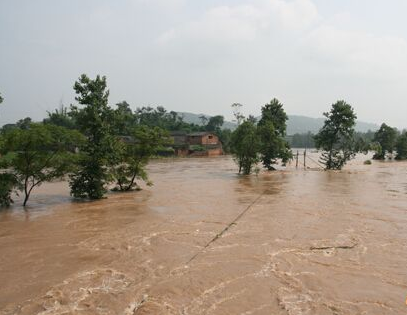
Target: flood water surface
204, 240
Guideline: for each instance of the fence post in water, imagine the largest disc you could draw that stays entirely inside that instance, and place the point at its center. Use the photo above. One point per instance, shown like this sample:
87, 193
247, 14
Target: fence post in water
296, 161
305, 156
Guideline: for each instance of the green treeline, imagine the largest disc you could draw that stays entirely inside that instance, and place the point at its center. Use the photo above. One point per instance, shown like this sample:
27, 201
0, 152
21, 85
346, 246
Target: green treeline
96, 146
99, 147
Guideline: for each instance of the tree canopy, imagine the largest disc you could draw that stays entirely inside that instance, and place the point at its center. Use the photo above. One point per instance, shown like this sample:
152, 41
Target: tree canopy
401, 146
94, 120
272, 131
336, 136
38, 154
386, 138
245, 145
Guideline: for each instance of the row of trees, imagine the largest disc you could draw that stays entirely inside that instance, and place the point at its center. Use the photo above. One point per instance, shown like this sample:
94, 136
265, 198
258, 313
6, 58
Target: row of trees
93, 144
265, 141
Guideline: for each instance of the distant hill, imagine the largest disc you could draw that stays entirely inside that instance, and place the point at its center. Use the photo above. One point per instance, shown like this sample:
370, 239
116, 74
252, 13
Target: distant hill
303, 124
295, 124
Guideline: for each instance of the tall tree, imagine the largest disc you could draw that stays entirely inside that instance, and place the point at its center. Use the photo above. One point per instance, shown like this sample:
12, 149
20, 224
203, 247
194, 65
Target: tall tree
38, 154
386, 138
272, 130
94, 120
237, 112
336, 136
8, 181
134, 154
401, 146
124, 119
215, 123
245, 145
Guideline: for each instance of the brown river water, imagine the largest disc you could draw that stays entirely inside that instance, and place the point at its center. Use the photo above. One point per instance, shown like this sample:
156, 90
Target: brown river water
204, 240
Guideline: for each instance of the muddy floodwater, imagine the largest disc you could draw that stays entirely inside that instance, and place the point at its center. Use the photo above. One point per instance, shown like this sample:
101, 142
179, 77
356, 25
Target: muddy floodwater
204, 240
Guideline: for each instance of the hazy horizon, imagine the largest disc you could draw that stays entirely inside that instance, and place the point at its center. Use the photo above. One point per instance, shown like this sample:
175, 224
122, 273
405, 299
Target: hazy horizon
201, 57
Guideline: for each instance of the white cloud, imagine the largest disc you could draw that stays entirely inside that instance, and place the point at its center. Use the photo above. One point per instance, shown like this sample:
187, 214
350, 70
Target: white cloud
296, 14
245, 22
358, 52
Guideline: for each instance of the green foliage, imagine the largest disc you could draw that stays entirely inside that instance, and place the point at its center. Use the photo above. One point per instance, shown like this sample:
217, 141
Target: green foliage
133, 155
24, 123
124, 119
225, 137
272, 131
401, 146
336, 136
301, 140
94, 120
197, 147
159, 117
245, 145
8, 184
367, 162
38, 154
386, 138
1, 99
60, 117
214, 124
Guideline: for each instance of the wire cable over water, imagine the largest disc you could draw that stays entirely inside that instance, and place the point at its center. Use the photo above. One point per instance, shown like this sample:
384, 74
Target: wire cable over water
217, 236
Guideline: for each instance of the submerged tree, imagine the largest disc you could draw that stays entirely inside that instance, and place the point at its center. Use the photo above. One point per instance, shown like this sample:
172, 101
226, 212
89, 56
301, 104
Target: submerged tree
245, 145
134, 153
38, 154
8, 181
336, 136
401, 146
385, 138
272, 131
94, 120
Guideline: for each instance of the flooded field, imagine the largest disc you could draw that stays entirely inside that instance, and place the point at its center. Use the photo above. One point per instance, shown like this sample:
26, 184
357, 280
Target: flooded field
204, 240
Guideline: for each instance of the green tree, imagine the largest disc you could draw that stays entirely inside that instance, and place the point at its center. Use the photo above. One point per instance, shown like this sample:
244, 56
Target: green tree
24, 123
245, 145
214, 124
386, 138
8, 182
272, 131
225, 137
336, 136
60, 117
401, 146
237, 112
38, 154
134, 154
124, 119
8, 185
94, 120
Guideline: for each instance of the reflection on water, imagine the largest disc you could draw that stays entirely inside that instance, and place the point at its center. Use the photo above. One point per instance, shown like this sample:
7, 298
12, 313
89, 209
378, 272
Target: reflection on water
313, 242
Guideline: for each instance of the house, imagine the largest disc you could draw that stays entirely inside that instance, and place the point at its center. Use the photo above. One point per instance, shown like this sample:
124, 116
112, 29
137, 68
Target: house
196, 144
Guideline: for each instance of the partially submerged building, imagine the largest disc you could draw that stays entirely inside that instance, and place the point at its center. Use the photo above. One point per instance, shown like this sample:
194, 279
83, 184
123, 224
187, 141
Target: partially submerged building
196, 144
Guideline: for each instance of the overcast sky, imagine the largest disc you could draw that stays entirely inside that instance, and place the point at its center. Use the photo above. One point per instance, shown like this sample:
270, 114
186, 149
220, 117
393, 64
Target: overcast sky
203, 55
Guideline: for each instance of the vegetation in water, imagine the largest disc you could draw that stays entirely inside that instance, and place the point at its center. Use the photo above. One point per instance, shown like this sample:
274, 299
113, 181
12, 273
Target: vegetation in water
336, 136
38, 154
385, 139
262, 142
